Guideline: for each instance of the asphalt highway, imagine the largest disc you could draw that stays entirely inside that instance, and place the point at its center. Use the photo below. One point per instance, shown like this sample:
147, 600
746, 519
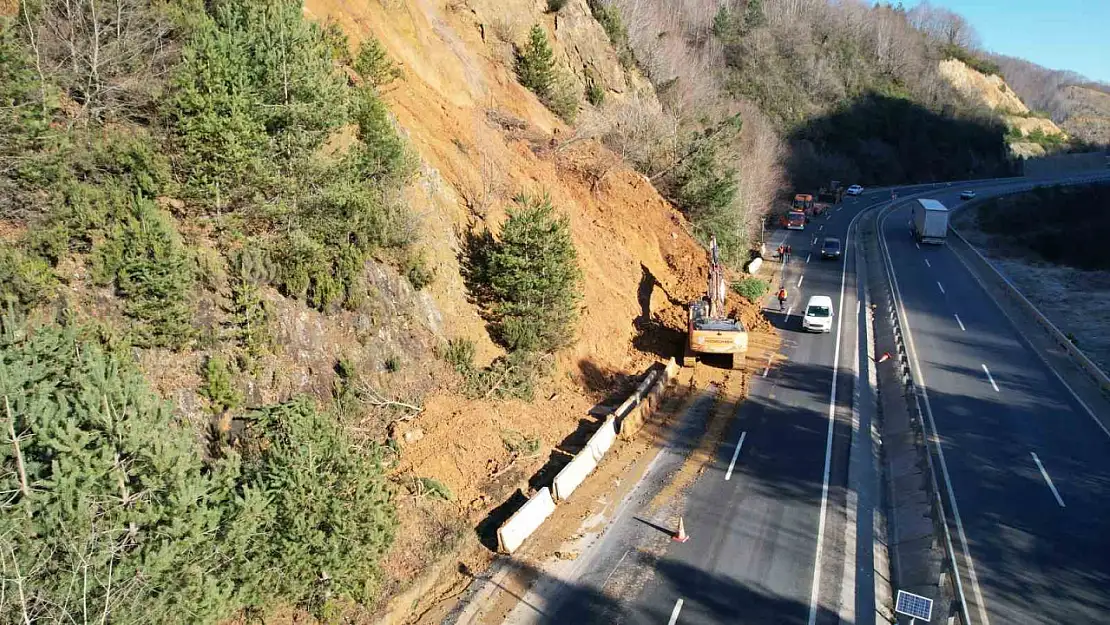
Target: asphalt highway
1029, 467
772, 540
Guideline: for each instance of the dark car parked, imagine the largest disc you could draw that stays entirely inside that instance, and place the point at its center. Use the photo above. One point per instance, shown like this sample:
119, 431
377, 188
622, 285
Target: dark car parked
830, 248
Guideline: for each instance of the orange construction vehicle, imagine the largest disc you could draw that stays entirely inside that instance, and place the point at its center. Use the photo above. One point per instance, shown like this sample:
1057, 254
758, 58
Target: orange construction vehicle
710, 330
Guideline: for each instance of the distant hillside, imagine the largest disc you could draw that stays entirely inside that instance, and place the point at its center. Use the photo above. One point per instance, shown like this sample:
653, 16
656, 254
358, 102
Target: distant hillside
1079, 106
1030, 134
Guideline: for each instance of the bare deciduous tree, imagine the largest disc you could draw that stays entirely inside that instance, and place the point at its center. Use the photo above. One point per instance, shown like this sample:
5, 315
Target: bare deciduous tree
104, 54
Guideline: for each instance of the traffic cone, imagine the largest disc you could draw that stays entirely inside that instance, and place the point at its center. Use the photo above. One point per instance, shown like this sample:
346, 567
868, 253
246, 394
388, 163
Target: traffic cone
681, 536
885, 357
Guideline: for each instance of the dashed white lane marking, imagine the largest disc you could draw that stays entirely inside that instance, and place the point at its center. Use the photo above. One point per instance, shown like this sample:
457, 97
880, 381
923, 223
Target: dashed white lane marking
799, 281
674, 612
941, 286
991, 378
960, 322
808, 256
1048, 480
821, 227
918, 245
788, 311
768, 367
735, 455
927, 263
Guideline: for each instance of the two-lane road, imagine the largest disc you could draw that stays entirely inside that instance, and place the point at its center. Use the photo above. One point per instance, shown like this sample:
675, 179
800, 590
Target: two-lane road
1029, 467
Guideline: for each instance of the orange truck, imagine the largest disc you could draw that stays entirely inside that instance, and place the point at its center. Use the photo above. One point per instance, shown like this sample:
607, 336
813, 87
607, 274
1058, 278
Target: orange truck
796, 220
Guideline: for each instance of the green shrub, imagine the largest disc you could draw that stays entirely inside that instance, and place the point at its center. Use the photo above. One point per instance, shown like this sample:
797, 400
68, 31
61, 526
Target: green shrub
459, 353
393, 364
218, 387
25, 280
249, 319
432, 489
750, 288
972, 60
563, 100
609, 17
374, 65
330, 504
143, 256
595, 93
256, 90
128, 499
553, 6
535, 64
534, 279
417, 271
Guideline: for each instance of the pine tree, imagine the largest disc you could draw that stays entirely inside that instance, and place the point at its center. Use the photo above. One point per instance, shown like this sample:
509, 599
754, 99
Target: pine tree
534, 278
535, 64
754, 17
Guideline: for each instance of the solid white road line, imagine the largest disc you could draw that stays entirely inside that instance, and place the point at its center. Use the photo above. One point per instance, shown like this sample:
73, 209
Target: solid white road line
927, 263
960, 322
799, 281
808, 256
626, 552
923, 385
941, 286
991, 378
1048, 480
674, 612
816, 588
735, 455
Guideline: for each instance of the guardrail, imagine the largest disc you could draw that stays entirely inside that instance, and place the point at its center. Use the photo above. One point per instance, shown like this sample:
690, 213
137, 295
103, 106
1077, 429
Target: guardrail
627, 419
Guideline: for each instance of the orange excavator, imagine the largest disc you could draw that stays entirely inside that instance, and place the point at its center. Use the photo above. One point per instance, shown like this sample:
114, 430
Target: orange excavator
710, 330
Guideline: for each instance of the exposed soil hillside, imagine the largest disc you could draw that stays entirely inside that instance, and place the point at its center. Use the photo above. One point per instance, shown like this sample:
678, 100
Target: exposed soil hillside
484, 138
1088, 113
993, 92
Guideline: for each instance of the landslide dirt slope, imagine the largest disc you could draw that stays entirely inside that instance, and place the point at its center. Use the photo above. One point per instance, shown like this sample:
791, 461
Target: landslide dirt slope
993, 92
482, 139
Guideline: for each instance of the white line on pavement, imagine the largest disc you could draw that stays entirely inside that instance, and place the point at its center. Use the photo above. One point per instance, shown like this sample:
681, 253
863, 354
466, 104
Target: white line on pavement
918, 245
799, 281
674, 612
788, 311
768, 368
821, 227
1047, 479
991, 378
808, 256
626, 552
960, 322
927, 263
941, 287
735, 455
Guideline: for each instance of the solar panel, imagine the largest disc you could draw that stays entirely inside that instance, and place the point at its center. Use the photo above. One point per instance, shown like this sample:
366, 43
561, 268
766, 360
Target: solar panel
914, 606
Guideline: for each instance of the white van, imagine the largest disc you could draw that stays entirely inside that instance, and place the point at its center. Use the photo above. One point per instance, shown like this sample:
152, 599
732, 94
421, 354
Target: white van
818, 315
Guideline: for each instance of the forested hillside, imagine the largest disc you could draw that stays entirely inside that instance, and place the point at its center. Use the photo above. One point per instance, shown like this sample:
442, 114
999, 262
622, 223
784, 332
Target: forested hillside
1080, 106
840, 83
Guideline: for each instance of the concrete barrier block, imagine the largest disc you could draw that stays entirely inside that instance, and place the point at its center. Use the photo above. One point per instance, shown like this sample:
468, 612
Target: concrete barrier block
602, 439
631, 423
525, 521
754, 266
572, 475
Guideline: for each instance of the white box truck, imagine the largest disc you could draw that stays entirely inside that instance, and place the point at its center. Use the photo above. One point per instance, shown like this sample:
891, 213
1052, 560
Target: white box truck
930, 221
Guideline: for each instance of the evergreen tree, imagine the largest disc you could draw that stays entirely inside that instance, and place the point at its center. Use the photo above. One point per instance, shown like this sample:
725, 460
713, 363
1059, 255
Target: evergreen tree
534, 278
535, 64
754, 17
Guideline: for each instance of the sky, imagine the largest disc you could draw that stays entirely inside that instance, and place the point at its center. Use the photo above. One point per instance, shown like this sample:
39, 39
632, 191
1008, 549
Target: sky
1058, 34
